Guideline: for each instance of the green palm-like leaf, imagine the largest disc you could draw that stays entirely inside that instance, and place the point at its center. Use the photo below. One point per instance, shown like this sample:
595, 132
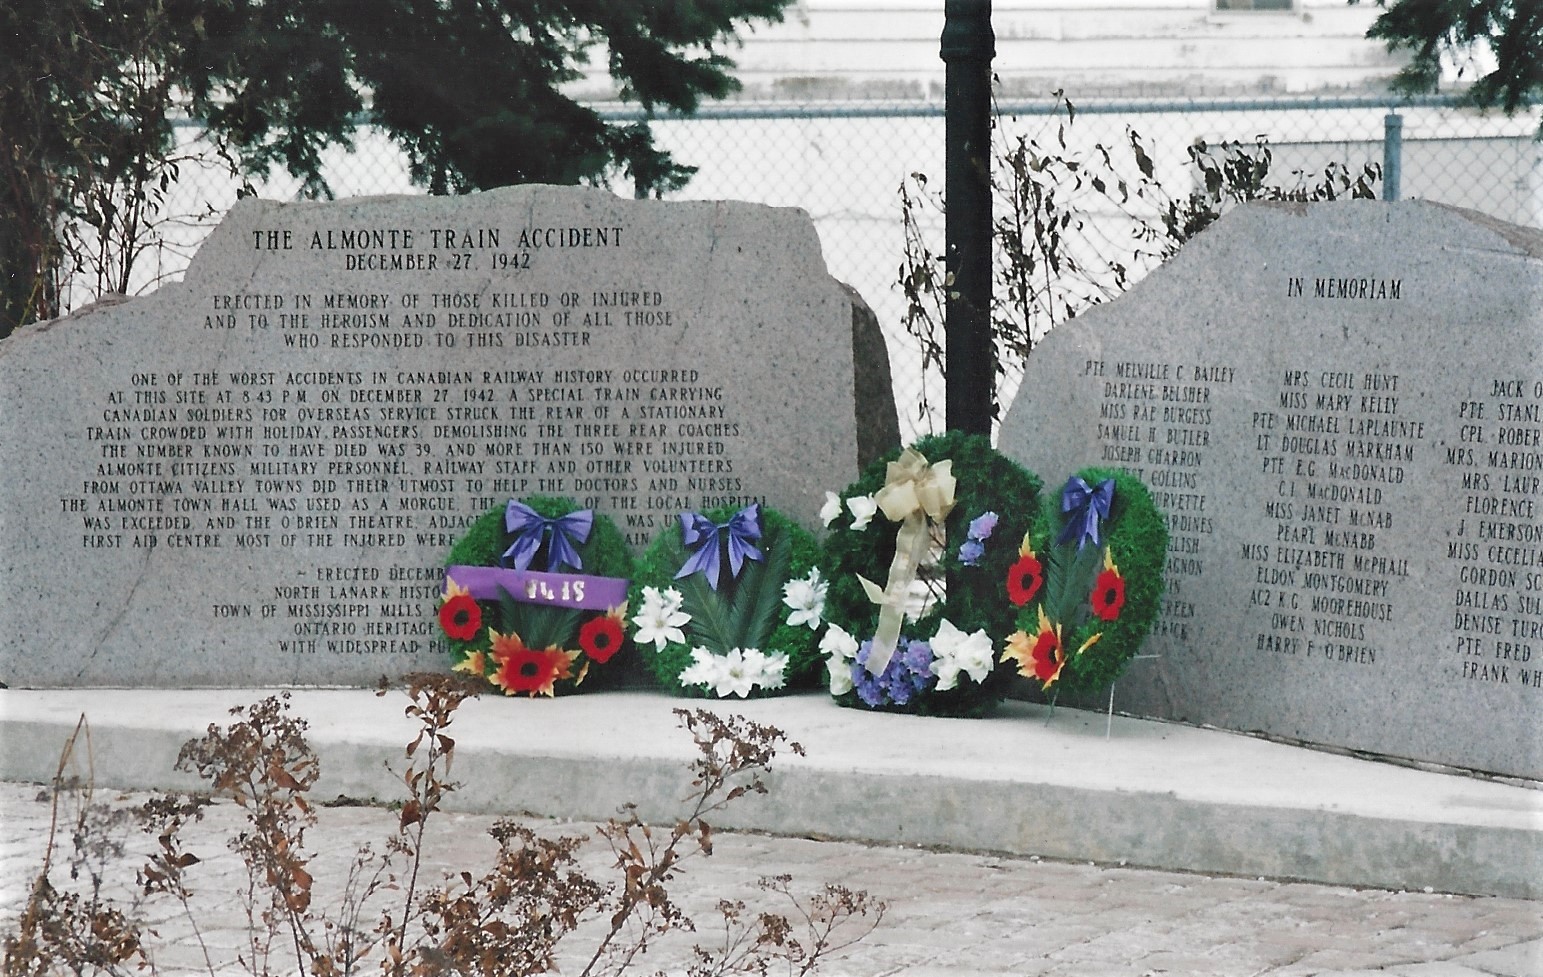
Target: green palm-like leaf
748, 621
758, 603
539, 625
1069, 575
711, 625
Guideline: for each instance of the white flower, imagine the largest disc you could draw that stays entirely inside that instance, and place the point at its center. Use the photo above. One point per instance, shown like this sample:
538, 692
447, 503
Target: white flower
840, 674
839, 648
703, 669
773, 670
807, 599
953, 652
660, 618
863, 507
769, 671
737, 675
837, 644
831, 509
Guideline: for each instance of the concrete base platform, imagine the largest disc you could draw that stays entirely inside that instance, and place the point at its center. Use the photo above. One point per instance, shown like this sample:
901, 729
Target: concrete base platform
1026, 782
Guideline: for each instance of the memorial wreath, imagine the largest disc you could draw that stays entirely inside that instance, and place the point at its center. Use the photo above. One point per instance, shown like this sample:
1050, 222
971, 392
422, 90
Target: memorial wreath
942, 519
535, 597
1087, 583
730, 602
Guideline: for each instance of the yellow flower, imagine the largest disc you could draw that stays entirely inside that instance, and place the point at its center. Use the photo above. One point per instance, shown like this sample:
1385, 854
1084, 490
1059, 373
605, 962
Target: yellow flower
1019, 648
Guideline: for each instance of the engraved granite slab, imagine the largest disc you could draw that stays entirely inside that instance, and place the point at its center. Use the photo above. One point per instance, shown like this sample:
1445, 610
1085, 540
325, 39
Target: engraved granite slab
1338, 408
252, 476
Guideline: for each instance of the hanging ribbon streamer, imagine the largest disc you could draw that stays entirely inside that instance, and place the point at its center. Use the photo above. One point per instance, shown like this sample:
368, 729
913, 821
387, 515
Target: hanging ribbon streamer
1087, 506
702, 537
914, 492
529, 528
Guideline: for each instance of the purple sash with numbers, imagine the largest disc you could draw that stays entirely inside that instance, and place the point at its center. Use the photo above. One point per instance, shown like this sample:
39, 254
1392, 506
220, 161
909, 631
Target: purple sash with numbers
577, 590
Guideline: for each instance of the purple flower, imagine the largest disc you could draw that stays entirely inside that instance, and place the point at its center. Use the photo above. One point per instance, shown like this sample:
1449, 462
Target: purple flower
909, 671
900, 692
918, 657
865, 683
972, 549
982, 525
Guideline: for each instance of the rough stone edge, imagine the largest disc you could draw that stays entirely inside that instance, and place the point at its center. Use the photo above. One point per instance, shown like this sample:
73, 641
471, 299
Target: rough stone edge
878, 419
1524, 243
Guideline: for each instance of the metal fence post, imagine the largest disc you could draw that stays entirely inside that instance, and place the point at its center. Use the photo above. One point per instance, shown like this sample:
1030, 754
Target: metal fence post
968, 45
1392, 154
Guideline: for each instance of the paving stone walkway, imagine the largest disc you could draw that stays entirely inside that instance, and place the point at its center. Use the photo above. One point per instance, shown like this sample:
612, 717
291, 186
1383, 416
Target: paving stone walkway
949, 913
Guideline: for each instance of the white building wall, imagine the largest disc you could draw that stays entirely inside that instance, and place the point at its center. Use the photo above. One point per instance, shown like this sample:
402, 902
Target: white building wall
889, 49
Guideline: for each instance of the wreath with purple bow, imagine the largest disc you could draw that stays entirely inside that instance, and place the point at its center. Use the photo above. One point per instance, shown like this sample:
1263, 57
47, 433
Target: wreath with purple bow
729, 602
535, 597
1087, 582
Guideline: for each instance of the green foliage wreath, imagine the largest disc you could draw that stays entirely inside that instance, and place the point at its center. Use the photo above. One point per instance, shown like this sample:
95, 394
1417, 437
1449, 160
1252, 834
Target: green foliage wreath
1091, 605
566, 649
970, 594
745, 614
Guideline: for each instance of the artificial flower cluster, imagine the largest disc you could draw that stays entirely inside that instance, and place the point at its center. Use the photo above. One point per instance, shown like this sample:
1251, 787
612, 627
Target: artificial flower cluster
979, 530
659, 620
934, 664
908, 672
1043, 656
738, 671
536, 595
663, 618
862, 508
805, 598
509, 664
965, 608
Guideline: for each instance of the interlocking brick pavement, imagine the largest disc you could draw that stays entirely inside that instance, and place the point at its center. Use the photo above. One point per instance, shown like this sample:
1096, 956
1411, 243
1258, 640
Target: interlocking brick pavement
949, 913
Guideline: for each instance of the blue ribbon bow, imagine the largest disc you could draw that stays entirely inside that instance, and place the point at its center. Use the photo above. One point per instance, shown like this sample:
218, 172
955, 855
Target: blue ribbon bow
702, 537
530, 529
1087, 506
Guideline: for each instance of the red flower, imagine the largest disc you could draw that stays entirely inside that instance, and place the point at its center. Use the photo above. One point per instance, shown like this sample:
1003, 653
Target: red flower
600, 637
522, 669
1041, 657
1024, 579
460, 617
1048, 656
1108, 595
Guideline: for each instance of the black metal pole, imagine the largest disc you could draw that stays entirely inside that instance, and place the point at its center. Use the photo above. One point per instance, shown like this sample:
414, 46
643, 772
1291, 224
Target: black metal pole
968, 45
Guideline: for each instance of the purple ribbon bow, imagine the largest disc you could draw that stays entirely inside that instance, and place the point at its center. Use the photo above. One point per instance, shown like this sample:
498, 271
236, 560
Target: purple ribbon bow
703, 537
530, 529
1087, 506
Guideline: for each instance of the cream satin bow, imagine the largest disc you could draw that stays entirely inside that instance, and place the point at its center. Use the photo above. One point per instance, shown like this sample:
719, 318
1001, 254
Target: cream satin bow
913, 493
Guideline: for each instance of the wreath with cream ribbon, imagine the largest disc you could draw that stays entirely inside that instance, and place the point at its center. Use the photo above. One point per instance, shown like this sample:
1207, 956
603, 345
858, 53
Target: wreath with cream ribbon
917, 555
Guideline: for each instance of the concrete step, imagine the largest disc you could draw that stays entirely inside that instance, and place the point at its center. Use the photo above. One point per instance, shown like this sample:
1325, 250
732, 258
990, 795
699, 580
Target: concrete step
1029, 781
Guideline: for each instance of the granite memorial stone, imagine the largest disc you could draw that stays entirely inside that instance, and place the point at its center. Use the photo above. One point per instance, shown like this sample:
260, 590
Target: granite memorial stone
253, 476
1339, 408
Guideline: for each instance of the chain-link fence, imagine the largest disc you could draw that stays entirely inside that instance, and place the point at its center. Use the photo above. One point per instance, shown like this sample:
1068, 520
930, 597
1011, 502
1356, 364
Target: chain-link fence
845, 164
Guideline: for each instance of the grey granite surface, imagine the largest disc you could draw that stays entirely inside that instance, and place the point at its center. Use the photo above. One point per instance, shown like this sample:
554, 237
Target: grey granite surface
1337, 407
252, 476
